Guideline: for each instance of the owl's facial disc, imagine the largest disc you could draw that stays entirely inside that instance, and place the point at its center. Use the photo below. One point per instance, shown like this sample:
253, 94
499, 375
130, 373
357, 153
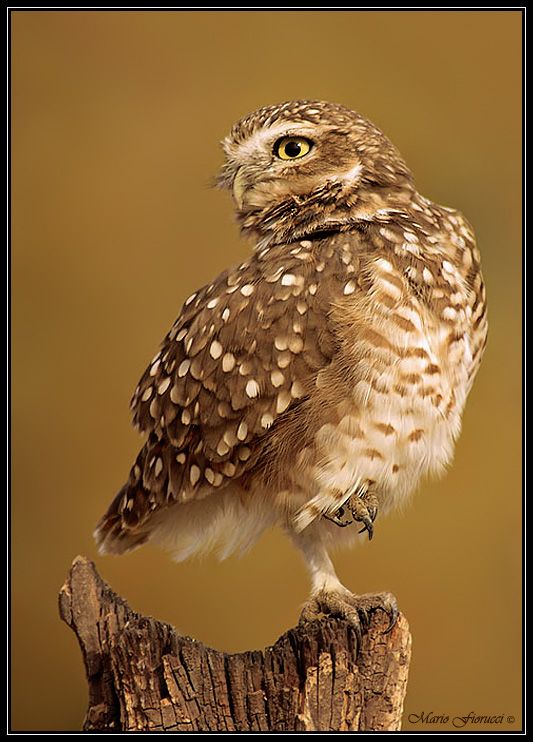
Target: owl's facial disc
287, 160
284, 151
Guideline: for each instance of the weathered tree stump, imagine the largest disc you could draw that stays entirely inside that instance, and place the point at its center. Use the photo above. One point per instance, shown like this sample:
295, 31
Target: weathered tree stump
144, 677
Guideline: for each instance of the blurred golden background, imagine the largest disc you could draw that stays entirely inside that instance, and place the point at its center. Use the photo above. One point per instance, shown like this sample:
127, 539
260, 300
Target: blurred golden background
116, 118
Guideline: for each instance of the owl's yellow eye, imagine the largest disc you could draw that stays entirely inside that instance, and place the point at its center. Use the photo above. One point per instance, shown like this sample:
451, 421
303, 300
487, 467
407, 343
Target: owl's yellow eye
291, 148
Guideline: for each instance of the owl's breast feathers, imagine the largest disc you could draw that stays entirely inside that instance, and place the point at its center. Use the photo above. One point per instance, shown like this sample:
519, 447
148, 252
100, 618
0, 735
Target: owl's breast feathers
348, 355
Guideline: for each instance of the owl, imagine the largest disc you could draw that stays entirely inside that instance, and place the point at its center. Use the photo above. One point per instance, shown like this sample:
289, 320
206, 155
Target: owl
314, 385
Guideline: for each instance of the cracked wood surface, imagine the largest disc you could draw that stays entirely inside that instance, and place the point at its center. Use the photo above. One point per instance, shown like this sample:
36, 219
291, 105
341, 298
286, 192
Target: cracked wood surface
142, 676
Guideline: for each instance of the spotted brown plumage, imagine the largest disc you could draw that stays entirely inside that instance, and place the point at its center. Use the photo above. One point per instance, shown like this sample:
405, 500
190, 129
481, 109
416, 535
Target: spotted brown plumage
322, 377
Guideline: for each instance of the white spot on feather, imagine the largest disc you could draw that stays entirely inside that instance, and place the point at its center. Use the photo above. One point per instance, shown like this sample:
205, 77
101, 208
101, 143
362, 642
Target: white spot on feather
385, 265
449, 313
244, 453
194, 474
277, 378
296, 344
222, 448
297, 390
184, 367
161, 389
283, 401
229, 469
215, 349
266, 420
252, 388
147, 394
228, 362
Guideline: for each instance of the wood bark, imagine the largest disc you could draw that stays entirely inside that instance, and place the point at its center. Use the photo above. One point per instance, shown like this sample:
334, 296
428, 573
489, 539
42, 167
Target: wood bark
142, 676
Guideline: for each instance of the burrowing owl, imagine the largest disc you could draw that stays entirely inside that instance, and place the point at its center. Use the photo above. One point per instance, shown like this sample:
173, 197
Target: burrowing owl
315, 384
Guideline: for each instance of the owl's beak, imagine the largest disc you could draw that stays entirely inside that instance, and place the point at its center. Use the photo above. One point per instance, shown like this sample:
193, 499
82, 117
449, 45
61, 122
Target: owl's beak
239, 187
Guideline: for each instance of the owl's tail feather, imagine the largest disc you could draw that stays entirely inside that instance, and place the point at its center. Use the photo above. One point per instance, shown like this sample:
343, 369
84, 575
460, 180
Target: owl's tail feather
128, 522
155, 505
230, 522
115, 532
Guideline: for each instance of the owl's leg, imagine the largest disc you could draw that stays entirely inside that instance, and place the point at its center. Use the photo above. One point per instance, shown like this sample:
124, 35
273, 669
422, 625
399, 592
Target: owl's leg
328, 594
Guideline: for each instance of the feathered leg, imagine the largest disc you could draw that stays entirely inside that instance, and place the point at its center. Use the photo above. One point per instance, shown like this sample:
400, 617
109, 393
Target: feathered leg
328, 594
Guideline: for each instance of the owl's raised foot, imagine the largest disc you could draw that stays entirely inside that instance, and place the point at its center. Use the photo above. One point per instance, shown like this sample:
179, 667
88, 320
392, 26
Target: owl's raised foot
355, 609
363, 509
338, 517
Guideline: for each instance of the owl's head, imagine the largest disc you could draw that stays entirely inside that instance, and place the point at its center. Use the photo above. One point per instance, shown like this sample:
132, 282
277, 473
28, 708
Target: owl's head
304, 167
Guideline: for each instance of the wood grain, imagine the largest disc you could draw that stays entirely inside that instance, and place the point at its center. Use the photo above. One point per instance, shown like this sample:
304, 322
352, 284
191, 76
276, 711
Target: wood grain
142, 676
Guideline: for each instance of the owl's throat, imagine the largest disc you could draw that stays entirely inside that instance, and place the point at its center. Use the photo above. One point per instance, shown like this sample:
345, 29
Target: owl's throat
325, 210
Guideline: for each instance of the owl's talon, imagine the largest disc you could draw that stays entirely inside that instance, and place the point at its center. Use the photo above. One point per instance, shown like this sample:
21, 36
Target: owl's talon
364, 509
372, 511
384, 601
393, 617
325, 603
336, 518
367, 527
356, 609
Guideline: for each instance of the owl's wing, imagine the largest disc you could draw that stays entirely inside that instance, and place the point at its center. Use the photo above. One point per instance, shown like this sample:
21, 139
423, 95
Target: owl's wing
244, 351
476, 298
